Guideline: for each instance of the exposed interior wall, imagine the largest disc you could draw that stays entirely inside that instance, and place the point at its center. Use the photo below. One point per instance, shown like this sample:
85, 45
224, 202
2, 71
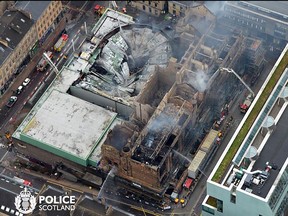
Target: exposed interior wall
154, 90
105, 102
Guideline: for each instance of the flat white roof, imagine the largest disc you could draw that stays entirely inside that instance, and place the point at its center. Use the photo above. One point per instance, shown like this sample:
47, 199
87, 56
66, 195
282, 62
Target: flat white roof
97, 153
196, 162
62, 83
111, 20
209, 140
69, 123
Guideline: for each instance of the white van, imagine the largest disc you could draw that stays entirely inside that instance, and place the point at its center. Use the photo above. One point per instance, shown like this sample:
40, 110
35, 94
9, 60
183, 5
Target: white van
19, 90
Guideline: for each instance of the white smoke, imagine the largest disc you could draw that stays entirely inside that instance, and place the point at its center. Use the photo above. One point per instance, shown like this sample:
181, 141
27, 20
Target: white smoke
216, 7
199, 81
162, 121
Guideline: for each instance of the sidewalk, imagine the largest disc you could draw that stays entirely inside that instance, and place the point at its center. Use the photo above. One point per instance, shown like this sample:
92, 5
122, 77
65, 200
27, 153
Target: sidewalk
60, 182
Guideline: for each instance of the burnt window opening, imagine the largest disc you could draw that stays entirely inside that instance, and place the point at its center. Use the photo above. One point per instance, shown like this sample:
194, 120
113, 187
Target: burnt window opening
170, 140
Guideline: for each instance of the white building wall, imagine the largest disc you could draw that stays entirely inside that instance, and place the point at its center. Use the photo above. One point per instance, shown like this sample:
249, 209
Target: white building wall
246, 203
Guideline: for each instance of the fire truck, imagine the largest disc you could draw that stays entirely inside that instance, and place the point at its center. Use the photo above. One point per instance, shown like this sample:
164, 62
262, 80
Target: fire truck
99, 10
22, 181
41, 66
246, 104
61, 43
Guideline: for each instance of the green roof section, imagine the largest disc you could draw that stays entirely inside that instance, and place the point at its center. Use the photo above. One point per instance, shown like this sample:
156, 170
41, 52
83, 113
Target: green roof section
250, 120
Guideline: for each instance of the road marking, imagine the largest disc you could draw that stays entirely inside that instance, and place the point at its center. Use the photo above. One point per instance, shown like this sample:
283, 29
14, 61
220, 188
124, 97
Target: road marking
4, 156
199, 197
2, 171
62, 185
9, 191
144, 210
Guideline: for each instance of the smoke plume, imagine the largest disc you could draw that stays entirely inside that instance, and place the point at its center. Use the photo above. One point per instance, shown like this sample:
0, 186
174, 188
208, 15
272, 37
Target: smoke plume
199, 81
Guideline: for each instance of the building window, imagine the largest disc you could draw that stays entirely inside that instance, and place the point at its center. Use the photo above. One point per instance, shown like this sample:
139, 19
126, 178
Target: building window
174, 5
156, 12
156, 5
150, 11
232, 198
174, 11
144, 8
219, 205
149, 2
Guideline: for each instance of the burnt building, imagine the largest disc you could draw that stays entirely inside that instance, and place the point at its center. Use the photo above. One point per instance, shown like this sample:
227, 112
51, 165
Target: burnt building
175, 106
157, 103
149, 155
254, 58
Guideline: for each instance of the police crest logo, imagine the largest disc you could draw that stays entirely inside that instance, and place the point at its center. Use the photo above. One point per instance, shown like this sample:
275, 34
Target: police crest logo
25, 202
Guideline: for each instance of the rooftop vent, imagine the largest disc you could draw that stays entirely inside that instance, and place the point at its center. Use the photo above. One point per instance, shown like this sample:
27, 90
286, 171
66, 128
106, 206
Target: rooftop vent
8, 39
23, 20
9, 15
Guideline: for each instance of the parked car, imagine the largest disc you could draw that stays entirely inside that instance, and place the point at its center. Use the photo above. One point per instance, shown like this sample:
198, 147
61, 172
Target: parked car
20, 69
26, 82
19, 90
12, 101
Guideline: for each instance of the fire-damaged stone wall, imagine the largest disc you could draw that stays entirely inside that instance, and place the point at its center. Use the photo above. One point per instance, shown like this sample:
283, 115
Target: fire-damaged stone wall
147, 156
172, 102
154, 90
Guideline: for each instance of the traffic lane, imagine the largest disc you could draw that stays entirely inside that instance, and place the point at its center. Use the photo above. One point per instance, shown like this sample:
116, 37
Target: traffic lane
69, 49
3, 151
9, 185
77, 4
89, 6
80, 210
7, 114
127, 209
111, 193
7, 199
88, 203
36, 182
